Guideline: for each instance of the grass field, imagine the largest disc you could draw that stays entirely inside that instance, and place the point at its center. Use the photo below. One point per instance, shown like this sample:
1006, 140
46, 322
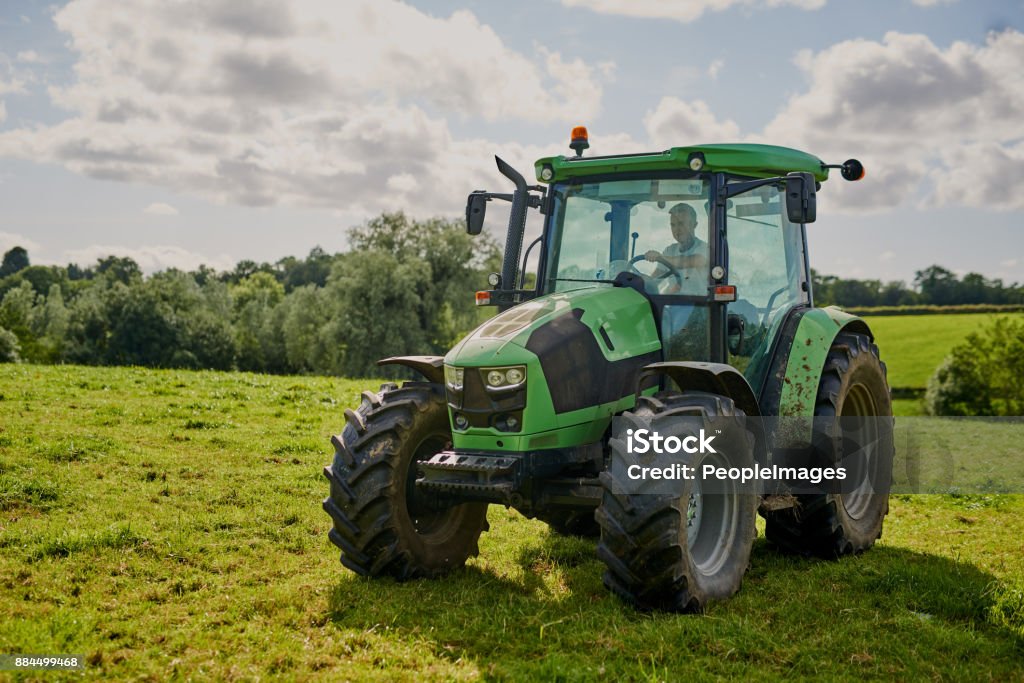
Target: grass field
167, 525
912, 346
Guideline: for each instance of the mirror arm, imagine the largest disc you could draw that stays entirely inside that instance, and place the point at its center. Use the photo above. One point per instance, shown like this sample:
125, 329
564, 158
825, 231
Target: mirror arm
733, 189
495, 195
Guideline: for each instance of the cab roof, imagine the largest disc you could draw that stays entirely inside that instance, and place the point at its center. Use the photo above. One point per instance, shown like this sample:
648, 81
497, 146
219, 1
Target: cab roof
755, 161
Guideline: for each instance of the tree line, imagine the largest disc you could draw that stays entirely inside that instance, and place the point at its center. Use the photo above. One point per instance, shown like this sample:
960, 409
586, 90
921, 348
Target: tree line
404, 287
933, 286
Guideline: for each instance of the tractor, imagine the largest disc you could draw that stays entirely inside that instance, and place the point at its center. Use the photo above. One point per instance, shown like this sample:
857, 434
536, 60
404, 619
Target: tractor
669, 290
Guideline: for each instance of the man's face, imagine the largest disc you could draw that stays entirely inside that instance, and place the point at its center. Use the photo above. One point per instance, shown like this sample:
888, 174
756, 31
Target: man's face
683, 225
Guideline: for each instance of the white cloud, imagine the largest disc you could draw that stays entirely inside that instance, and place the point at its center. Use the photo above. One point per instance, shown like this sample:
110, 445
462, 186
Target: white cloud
301, 102
161, 209
8, 240
1009, 263
681, 10
403, 182
12, 83
151, 258
308, 54
674, 120
887, 256
932, 3
263, 106
931, 125
29, 57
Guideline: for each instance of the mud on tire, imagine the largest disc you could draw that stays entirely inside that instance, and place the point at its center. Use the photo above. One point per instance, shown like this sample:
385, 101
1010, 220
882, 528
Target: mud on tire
658, 552
381, 525
853, 384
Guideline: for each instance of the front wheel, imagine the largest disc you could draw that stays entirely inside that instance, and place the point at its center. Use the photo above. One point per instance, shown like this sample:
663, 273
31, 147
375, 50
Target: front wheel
679, 549
381, 524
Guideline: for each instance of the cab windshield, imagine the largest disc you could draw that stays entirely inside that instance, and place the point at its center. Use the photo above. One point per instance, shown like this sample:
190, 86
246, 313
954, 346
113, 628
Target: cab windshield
657, 227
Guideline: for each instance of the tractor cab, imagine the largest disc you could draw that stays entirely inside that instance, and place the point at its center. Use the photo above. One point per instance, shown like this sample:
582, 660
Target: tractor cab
712, 236
717, 281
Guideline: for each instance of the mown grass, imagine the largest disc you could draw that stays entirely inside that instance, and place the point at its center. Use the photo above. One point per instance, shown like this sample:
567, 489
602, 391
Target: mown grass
167, 524
912, 346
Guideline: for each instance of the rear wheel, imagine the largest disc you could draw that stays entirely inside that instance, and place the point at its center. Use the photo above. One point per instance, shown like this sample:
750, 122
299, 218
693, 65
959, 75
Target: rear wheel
381, 524
853, 388
678, 550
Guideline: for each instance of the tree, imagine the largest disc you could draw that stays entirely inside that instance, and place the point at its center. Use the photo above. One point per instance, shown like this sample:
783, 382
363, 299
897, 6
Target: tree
303, 319
376, 310
455, 264
15, 259
120, 268
16, 314
49, 324
169, 321
895, 293
311, 271
246, 268
90, 316
938, 286
254, 300
982, 375
9, 347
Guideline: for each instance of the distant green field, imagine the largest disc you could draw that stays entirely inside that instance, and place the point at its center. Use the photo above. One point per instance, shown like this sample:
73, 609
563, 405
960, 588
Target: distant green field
167, 525
912, 346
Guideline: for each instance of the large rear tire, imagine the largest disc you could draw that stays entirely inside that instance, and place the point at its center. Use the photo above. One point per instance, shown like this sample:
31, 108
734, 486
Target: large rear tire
381, 524
853, 385
678, 551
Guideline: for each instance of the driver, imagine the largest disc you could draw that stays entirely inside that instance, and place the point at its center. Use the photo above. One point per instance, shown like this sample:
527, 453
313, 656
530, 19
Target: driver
688, 254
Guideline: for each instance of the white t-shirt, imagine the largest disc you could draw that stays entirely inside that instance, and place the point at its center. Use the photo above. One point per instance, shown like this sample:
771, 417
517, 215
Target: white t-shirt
695, 280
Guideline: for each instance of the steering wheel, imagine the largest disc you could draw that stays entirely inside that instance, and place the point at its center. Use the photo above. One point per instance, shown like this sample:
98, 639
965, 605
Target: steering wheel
672, 270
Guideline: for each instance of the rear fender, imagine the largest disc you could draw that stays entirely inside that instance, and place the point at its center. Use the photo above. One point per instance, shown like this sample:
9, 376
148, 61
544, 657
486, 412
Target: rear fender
817, 329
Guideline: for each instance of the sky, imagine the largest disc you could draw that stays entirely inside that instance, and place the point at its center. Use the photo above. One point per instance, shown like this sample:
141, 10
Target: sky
181, 132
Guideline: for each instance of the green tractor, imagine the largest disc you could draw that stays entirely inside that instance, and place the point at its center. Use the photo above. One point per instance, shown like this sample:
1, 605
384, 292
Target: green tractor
670, 286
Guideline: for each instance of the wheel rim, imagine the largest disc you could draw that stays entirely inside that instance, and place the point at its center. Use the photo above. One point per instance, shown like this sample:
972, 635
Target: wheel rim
862, 440
711, 521
426, 519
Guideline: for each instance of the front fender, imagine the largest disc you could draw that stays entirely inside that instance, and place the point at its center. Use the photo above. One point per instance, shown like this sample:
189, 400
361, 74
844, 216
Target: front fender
714, 378
431, 367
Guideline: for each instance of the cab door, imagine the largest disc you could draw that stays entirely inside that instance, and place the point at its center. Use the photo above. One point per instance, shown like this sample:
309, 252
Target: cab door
767, 265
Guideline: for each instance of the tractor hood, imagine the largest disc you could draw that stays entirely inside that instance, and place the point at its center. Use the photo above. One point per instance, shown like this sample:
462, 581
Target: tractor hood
581, 351
619, 319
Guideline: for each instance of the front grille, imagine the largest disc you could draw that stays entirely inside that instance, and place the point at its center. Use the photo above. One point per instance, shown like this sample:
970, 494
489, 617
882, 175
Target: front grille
482, 407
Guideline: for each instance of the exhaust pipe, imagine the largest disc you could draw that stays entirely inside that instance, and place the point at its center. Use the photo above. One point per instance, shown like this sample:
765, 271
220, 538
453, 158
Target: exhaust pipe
516, 227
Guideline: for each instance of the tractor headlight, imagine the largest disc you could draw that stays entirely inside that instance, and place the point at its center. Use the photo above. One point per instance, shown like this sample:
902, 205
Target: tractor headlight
453, 377
504, 378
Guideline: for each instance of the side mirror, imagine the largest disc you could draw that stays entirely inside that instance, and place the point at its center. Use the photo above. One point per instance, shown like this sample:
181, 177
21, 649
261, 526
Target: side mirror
801, 200
476, 208
735, 328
